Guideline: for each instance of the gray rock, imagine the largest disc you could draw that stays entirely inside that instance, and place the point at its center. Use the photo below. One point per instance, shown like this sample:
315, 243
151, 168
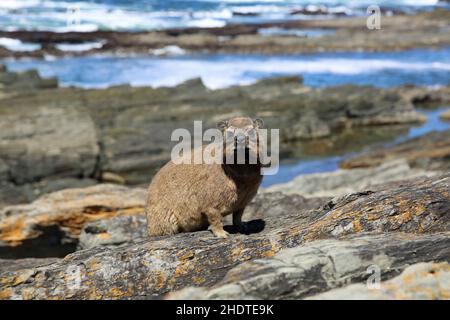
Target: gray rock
45, 142
430, 152
113, 232
25, 80
411, 220
126, 229
323, 265
18, 264
308, 127
446, 115
421, 281
58, 218
122, 134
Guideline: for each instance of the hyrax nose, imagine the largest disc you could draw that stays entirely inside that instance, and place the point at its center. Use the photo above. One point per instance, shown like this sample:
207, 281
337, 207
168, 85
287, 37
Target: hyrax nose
241, 140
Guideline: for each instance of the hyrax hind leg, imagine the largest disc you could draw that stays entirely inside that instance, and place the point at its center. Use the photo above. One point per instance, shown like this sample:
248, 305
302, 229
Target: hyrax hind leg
157, 226
215, 220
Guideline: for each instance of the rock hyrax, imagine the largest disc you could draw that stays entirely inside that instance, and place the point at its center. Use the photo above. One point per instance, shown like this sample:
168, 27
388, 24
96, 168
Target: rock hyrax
189, 197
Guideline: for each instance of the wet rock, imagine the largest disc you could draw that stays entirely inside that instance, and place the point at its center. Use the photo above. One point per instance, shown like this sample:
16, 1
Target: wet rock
245, 14
341, 182
431, 152
421, 281
425, 97
152, 267
308, 10
25, 80
322, 265
309, 127
43, 142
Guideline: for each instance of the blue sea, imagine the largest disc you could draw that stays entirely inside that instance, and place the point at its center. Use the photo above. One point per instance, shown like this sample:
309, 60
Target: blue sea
425, 67
161, 14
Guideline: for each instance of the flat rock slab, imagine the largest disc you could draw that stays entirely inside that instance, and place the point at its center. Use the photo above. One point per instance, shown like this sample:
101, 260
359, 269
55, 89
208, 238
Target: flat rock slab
342, 182
104, 214
421, 281
323, 265
431, 151
68, 211
446, 115
156, 266
124, 229
18, 264
43, 142
38, 141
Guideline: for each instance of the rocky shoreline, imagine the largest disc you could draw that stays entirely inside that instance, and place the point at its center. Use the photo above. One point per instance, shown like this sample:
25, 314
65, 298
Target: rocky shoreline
75, 163
399, 32
394, 227
120, 134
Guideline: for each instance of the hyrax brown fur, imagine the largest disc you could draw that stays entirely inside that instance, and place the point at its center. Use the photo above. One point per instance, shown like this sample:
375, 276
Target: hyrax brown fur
189, 197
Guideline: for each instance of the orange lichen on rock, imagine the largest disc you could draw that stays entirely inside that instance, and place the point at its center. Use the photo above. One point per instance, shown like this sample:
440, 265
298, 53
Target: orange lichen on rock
12, 231
159, 279
395, 210
6, 294
70, 210
118, 293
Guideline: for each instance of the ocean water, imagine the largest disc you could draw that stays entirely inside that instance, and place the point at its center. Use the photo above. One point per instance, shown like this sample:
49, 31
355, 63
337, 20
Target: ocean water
90, 15
425, 67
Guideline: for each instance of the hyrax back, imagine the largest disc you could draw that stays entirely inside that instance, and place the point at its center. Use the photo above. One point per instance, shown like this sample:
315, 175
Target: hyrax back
189, 197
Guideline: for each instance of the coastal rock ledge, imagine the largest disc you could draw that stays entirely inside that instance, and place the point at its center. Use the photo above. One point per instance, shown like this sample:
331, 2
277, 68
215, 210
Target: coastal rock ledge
298, 253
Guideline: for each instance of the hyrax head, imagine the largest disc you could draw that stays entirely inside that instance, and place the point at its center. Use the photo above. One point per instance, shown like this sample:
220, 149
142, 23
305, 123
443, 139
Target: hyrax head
241, 140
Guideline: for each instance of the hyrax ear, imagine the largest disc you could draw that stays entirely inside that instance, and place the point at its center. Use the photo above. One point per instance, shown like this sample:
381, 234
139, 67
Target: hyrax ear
222, 125
258, 123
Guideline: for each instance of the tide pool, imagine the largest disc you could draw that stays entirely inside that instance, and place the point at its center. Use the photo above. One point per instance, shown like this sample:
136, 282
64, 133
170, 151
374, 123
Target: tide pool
288, 171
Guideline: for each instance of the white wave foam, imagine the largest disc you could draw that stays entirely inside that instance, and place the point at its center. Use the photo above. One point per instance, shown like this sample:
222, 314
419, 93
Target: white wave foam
310, 33
354, 3
85, 27
258, 9
219, 14
218, 74
94, 15
206, 23
79, 47
17, 45
168, 51
18, 4
49, 4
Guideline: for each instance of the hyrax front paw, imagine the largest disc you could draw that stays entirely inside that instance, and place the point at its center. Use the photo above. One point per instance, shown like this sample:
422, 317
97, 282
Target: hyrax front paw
220, 233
